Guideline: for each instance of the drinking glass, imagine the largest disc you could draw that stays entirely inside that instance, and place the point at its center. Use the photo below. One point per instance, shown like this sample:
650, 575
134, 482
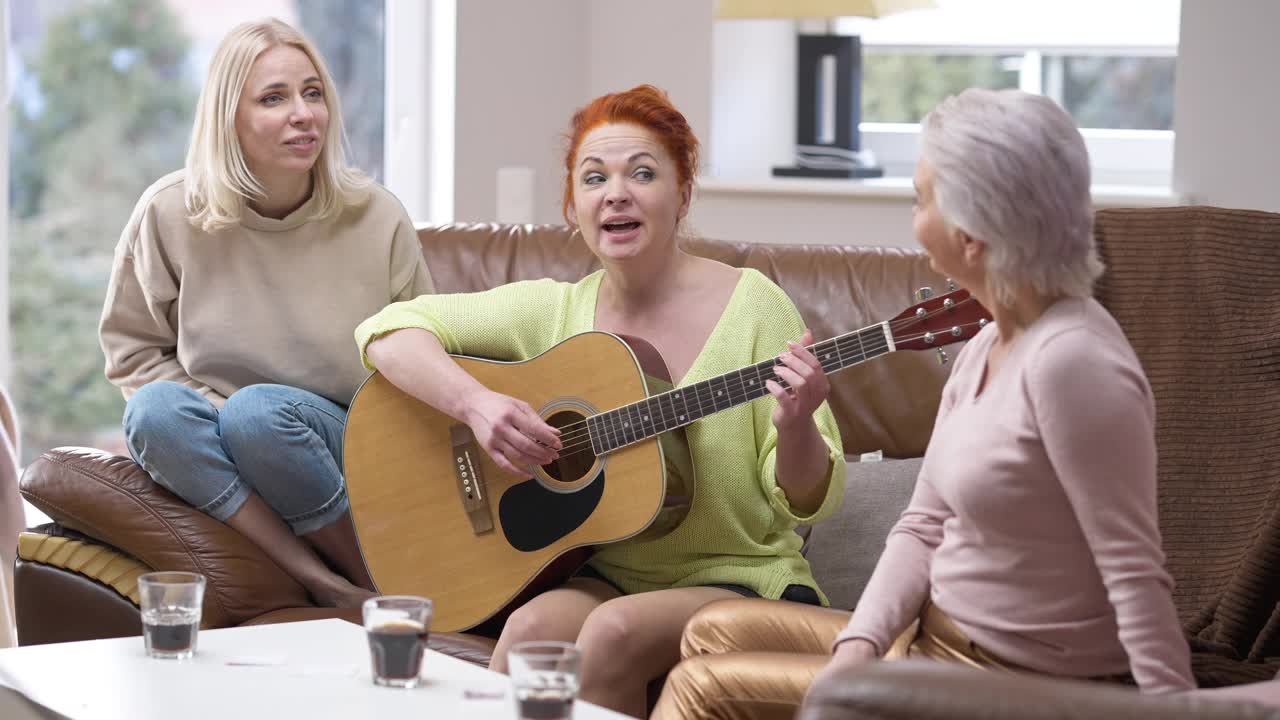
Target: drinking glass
171, 603
398, 627
544, 679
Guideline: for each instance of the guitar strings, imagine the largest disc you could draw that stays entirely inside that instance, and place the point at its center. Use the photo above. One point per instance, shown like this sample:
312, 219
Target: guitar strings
578, 442
581, 442
579, 430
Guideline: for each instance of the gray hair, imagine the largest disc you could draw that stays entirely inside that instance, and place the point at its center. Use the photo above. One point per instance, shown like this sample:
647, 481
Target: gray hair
218, 178
1011, 169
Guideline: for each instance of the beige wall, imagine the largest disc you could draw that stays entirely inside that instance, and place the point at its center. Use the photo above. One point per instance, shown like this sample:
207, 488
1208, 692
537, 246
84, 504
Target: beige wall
524, 66
661, 42
1227, 104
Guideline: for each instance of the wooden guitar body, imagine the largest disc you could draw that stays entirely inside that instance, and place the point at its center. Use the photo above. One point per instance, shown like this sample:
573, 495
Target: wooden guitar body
436, 517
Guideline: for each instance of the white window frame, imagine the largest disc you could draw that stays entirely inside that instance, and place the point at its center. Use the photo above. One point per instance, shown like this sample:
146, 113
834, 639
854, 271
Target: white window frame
6, 355
1119, 157
753, 113
418, 151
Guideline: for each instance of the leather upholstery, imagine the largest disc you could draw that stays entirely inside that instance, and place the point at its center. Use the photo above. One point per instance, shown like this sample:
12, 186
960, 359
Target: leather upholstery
885, 405
111, 499
924, 690
55, 605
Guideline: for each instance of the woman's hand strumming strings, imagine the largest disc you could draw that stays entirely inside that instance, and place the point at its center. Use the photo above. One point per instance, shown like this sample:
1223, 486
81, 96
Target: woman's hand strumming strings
513, 434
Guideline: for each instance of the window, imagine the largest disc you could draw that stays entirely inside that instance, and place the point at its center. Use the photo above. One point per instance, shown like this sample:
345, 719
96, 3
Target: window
101, 100
1126, 92
1109, 64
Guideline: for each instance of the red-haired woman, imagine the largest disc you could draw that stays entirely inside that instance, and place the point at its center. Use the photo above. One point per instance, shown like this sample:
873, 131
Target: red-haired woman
761, 468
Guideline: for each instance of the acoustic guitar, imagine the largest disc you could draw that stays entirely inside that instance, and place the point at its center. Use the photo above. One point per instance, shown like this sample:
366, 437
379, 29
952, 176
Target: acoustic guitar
436, 517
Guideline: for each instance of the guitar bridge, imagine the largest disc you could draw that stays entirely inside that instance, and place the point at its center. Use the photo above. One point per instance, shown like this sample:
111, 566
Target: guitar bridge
469, 476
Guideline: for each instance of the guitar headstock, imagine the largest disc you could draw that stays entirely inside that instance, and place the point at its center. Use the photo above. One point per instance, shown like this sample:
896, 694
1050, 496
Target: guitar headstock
939, 321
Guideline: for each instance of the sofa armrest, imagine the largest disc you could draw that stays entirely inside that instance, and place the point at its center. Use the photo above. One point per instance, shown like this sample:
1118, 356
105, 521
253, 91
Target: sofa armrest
925, 690
113, 500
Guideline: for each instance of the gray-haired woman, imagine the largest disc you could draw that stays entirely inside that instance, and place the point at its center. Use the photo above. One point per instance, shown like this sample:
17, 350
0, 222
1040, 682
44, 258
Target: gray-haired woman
1031, 541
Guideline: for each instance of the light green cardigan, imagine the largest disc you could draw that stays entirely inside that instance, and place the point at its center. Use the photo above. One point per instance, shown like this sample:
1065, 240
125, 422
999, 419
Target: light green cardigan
740, 529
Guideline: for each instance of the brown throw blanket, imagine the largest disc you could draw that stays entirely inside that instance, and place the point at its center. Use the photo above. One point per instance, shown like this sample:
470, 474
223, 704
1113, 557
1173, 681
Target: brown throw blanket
1197, 291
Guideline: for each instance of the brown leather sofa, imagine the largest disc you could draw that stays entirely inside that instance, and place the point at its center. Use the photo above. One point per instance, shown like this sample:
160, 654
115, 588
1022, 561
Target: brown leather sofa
76, 578
1191, 286
924, 690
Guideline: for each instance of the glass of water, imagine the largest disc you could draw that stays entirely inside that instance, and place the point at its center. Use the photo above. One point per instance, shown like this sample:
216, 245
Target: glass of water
171, 603
544, 678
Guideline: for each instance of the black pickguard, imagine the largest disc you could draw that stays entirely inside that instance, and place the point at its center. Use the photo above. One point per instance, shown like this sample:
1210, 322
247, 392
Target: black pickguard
533, 517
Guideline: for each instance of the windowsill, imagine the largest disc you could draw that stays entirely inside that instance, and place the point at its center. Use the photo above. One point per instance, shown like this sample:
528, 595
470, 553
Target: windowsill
899, 188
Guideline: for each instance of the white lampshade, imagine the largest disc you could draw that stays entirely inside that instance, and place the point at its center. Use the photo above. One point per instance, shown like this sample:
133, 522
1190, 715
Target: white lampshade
816, 8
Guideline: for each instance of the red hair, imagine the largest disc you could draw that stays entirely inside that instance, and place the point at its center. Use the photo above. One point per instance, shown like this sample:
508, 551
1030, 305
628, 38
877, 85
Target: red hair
643, 105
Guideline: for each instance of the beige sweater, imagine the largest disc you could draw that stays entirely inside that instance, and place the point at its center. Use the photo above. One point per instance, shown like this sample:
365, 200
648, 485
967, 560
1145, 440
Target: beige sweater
268, 301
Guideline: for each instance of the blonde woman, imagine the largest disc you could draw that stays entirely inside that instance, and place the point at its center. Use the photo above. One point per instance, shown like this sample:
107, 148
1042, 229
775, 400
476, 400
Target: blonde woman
234, 293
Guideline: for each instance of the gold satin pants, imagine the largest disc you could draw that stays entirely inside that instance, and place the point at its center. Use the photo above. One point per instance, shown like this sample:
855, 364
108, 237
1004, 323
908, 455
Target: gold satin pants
755, 659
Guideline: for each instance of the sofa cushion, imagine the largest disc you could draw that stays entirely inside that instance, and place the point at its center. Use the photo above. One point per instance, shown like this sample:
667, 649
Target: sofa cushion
55, 605
112, 500
843, 550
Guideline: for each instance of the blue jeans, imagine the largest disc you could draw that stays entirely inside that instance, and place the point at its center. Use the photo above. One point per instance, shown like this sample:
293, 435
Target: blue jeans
279, 441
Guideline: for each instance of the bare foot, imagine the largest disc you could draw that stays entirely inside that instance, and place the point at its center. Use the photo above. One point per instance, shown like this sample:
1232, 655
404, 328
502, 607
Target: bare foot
338, 592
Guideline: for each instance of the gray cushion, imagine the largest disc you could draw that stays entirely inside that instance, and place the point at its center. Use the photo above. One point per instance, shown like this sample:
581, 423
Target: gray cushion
843, 549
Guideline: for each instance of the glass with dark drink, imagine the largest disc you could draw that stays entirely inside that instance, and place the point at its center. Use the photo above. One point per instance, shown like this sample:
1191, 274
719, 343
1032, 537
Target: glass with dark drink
171, 603
397, 627
544, 679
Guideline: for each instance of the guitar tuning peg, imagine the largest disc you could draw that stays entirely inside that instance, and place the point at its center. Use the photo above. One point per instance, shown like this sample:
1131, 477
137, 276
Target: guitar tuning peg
942, 357
924, 293
951, 285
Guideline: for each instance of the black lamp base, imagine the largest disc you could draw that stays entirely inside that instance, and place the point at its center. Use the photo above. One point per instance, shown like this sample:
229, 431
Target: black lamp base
829, 110
840, 173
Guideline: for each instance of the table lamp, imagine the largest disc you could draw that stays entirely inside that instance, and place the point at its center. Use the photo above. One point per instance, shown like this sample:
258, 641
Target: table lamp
828, 83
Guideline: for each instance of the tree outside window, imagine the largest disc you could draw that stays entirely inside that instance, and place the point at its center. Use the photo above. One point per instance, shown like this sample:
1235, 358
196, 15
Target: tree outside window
1109, 64
102, 98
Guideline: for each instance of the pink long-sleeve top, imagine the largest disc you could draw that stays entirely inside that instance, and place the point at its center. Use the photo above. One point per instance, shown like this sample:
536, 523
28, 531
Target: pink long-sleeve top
1033, 524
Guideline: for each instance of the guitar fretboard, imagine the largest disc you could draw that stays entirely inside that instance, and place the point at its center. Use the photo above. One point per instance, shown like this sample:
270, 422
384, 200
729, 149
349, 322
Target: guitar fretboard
676, 408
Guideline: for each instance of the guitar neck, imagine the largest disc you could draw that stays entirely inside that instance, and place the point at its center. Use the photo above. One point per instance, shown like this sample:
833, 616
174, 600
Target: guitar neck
676, 408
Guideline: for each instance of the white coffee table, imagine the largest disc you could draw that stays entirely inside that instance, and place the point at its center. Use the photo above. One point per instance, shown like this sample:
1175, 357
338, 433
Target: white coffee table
313, 670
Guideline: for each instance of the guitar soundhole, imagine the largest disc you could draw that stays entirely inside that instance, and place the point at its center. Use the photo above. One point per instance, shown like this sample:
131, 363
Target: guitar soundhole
576, 457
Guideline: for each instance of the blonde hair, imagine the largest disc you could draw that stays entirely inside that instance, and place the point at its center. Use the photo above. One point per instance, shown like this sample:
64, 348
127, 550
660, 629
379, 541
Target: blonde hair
1011, 169
218, 179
